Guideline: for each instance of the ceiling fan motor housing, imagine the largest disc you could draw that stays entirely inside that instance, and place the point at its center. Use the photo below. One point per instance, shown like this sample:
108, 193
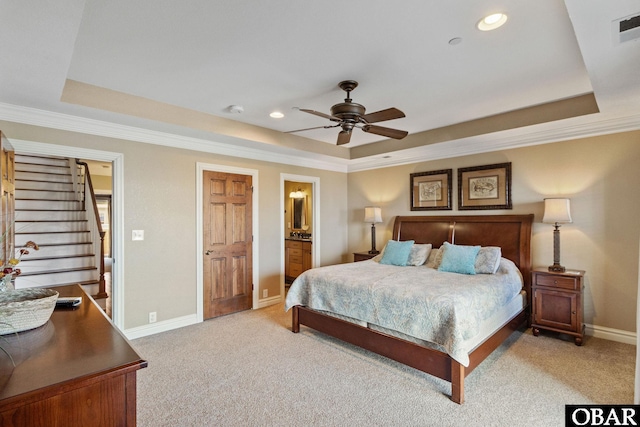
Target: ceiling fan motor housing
348, 110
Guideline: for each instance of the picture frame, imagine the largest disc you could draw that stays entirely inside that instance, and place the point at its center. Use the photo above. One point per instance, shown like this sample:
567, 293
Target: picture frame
431, 190
485, 187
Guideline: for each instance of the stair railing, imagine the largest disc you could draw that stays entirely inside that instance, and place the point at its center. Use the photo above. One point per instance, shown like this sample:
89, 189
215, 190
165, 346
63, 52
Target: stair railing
88, 195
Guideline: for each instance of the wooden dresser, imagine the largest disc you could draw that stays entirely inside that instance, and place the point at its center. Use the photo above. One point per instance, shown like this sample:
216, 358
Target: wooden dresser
297, 258
76, 370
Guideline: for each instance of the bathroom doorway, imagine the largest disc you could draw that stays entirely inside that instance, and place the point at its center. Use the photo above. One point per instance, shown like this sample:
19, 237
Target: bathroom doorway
300, 225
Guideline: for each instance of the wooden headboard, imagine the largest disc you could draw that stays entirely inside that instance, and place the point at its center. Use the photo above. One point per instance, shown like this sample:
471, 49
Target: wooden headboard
512, 233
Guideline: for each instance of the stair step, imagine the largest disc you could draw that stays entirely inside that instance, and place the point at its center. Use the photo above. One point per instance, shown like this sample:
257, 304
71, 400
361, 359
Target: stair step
50, 215
60, 250
54, 278
41, 160
39, 176
51, 226
53, 237
31, 204
47, 195
52, 169
43, 185
40, 265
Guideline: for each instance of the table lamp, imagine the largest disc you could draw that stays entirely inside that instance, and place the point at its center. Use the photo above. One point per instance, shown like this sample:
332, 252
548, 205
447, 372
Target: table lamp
556, 211
373, 215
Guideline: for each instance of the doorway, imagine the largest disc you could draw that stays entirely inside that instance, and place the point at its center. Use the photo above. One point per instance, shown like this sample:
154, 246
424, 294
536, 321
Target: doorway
308, 214
200, 250
227, 235
116, 161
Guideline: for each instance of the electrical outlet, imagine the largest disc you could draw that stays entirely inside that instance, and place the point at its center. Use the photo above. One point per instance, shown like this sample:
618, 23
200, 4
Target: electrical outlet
137, 234
152, 317
265, 293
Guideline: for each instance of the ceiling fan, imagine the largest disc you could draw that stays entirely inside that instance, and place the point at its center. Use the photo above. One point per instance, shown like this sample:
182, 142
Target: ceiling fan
349, 115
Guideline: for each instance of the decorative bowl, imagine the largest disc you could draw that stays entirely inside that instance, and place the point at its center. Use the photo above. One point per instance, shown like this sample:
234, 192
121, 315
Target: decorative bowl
24, 309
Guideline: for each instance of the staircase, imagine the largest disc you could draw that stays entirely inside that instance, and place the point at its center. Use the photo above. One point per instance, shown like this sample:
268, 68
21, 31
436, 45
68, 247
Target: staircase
50, 212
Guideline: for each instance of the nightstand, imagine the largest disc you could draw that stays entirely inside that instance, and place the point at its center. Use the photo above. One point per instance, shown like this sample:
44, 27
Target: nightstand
557, 302
362, 256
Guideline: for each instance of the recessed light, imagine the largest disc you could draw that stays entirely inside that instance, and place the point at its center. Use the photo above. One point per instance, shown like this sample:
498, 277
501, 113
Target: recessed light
491, 22
276, 115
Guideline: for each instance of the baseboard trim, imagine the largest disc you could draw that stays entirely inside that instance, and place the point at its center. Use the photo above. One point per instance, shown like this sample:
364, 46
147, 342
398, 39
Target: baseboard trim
266, 302
156, 328
611, 334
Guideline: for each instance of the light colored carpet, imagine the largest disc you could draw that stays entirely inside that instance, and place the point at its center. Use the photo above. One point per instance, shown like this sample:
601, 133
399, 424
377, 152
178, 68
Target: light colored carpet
249, 369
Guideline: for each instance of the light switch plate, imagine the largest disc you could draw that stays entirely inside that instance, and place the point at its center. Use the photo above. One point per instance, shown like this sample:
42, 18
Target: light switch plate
137, 235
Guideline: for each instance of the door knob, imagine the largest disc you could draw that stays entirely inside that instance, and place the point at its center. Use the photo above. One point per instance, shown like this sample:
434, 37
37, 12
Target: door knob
208, 252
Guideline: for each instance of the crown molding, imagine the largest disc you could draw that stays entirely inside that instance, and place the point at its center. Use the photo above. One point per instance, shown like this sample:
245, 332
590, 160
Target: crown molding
579, 127
569, 129
226, 146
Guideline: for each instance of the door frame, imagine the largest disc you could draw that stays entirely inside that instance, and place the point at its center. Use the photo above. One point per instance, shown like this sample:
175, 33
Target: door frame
200, 169
315, 220
117, 209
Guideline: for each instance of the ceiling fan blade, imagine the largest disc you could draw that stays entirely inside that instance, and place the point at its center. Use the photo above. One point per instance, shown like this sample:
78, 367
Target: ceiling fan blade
382, 115
344, 137
317, 127
388, 132
318, 113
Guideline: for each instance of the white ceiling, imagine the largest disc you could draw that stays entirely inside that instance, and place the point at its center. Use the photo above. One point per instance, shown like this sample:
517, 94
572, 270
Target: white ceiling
205, 55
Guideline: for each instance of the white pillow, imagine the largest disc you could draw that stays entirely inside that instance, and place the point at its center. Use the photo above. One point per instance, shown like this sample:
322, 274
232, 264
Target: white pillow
435, 258
419, 254
488, 260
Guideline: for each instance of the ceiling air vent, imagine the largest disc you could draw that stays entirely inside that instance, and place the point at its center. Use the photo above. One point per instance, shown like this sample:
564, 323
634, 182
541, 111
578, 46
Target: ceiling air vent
626, 29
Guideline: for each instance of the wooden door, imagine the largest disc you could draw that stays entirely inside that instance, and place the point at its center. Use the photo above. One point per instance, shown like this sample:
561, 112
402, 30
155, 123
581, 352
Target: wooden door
227, 241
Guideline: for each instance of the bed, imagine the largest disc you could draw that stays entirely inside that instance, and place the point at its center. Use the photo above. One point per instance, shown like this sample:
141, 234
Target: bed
449, 358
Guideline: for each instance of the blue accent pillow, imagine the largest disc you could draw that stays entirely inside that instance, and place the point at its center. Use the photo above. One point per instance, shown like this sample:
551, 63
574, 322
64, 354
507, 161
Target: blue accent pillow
396, 253
459, 258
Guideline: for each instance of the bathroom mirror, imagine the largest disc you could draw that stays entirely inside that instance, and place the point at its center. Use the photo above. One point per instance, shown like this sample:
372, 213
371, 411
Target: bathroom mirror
298, 213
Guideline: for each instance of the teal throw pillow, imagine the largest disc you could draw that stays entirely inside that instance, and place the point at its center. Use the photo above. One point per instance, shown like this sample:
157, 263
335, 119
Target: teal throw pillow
396, 253
459, 258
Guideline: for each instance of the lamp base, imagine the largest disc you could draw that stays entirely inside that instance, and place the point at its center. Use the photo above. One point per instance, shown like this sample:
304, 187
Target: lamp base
557, 268
374, 252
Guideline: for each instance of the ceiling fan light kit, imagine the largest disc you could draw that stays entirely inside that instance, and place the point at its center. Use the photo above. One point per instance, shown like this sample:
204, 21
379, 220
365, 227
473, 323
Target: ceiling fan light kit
349, 115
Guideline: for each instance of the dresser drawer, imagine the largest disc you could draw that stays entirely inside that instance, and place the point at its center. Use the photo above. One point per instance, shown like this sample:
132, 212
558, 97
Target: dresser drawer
295, 270
295, 253
291, 244
556, 281
295, 259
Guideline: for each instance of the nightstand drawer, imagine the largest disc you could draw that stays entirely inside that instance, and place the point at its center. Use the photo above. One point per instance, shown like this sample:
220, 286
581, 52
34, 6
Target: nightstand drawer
556, 281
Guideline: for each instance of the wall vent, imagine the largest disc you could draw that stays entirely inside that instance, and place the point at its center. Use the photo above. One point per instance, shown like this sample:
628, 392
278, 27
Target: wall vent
626, 29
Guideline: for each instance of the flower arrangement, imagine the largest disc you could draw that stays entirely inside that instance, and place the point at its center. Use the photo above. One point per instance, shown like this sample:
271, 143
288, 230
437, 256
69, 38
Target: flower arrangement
8, 269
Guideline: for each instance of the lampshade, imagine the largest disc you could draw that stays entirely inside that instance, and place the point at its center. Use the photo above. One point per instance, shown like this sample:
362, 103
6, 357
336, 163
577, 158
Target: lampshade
556, 211
372, 214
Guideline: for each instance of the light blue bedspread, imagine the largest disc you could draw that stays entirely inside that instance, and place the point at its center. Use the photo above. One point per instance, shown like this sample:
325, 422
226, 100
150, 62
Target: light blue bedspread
440, 307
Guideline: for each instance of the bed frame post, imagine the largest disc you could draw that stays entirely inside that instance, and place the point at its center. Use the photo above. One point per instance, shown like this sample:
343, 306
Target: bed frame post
457, 382
295, 319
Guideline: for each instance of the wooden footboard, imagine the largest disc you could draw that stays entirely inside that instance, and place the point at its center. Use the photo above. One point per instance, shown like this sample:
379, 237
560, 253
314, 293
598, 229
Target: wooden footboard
430, 361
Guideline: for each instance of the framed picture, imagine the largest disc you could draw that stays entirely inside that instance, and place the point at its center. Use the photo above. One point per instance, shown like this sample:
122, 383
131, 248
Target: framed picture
431, 190
485, 187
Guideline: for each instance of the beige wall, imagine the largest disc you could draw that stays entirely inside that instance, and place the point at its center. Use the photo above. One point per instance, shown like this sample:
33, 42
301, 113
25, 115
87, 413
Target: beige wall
599, 174
160, 198
601, 177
